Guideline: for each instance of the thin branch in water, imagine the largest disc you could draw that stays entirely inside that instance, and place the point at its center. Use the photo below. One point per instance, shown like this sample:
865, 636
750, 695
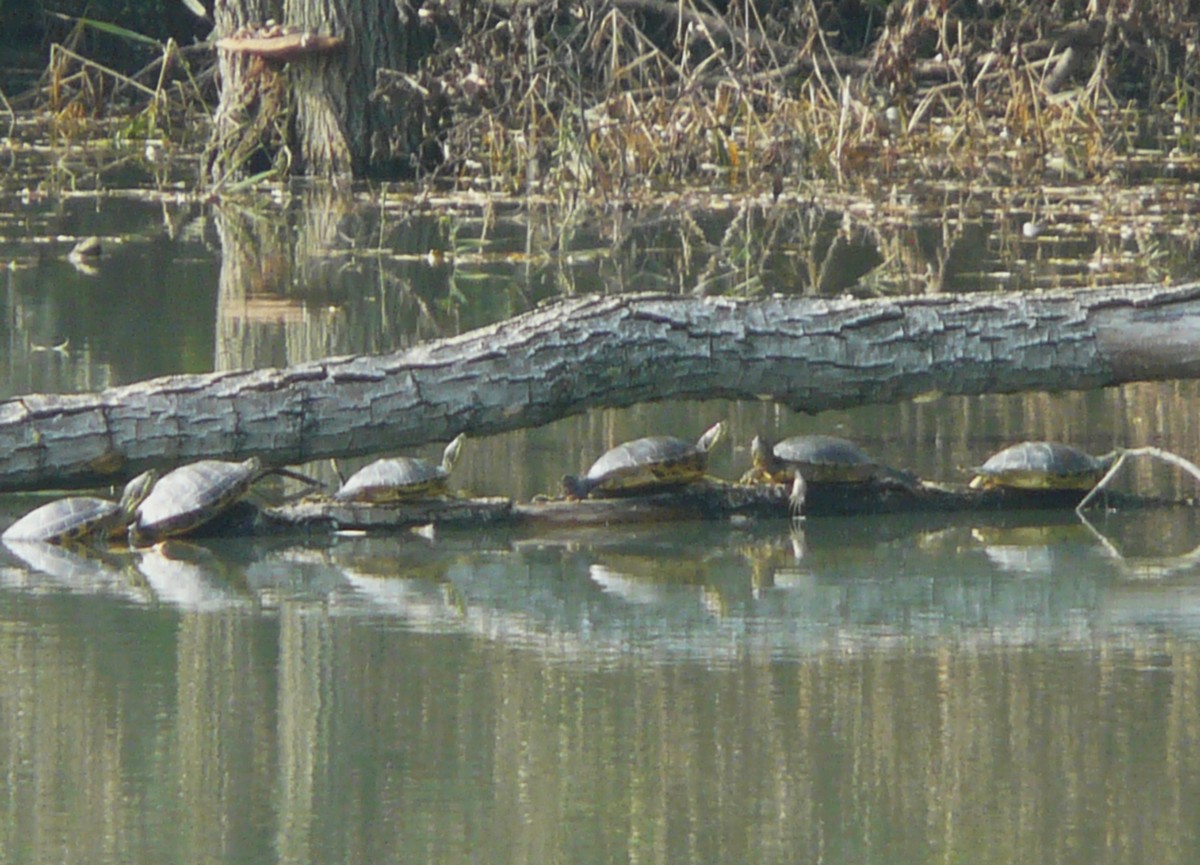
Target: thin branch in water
1148, 451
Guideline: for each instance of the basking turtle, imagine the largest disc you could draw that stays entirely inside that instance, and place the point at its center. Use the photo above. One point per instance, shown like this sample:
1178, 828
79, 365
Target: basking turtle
83, 517
191, 495
645, 464
1042, 466
820, 459
401, 478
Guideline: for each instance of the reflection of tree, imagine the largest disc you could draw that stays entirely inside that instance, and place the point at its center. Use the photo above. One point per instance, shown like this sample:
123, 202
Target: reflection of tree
258, 318
875, 752
314, 281
300, 690
226, 738
326, 735
79, 744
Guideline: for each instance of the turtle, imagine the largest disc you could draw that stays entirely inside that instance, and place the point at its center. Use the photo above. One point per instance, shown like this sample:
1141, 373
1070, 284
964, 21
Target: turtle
646, 464
1038, 465
820, 459
191, 495
79, 518
399, 479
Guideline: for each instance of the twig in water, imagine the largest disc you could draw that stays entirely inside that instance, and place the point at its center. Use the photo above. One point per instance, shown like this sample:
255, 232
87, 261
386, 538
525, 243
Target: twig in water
1148, 451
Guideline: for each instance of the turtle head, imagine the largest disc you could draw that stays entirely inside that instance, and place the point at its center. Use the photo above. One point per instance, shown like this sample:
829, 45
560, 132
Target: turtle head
575, 487
136, 490
450, 454
762, 452
712, 436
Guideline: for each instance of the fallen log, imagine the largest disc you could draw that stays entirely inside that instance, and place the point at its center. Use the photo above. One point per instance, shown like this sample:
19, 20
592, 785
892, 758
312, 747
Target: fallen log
580, 353
711, 500
328, 514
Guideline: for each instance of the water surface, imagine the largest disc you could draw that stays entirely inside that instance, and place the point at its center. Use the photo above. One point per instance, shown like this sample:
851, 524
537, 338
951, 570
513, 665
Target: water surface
861, 691
875, 692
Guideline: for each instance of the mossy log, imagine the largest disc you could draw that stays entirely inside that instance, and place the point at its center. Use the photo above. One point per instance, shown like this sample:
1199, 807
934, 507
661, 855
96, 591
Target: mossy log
708, 500
326, 513
588, 352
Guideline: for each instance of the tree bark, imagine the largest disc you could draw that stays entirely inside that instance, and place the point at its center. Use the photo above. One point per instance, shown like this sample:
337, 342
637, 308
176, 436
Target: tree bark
589, 352
250, 99
317, 112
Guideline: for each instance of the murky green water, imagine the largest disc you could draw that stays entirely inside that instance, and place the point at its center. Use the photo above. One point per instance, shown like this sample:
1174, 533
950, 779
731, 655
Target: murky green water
872, 692
868, 691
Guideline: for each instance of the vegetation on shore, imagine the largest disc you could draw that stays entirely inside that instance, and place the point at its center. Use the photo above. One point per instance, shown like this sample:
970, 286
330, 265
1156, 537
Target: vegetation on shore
613, 98
1043, 119
633, 94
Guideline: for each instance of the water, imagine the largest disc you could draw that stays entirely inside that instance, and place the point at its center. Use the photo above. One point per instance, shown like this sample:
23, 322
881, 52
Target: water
1021, 689
871, 692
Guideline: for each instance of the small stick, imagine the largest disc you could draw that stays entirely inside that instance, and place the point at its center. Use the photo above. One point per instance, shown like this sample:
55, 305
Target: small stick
1148, 451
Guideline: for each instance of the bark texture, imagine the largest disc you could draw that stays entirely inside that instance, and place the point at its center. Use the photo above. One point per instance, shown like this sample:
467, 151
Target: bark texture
589, 352
318, 112
252, 96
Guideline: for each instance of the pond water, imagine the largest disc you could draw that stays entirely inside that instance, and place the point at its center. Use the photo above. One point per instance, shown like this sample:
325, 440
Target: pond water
1017, 689
870, 691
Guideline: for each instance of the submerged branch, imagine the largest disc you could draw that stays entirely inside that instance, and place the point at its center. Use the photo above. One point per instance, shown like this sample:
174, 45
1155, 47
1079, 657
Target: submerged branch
592, 352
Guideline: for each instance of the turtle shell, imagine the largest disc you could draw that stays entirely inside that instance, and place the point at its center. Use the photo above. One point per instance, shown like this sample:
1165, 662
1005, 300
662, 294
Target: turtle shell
81, 517
646, 463
191, 495
819, 459
1042, 466
401, 478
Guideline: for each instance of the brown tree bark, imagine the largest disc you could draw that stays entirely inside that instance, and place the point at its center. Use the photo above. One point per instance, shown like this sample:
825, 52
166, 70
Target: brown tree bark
311, 111
589, 352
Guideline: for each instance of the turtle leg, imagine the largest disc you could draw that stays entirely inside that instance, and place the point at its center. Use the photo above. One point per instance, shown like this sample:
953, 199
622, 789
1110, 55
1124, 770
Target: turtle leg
798, 495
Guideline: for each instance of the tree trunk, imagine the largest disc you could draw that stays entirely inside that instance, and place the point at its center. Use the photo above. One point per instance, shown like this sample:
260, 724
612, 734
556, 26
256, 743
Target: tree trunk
590, 352
310, 110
